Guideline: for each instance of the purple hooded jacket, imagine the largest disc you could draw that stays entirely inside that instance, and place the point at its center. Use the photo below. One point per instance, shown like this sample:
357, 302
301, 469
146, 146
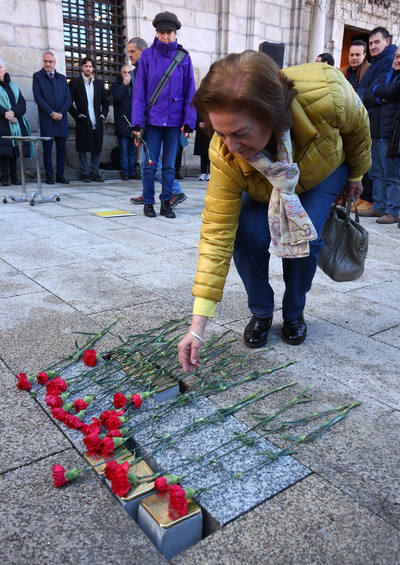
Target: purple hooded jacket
173, 107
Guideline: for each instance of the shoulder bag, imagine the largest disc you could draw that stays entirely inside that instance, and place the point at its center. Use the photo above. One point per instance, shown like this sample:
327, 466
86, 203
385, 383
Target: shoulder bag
345, 244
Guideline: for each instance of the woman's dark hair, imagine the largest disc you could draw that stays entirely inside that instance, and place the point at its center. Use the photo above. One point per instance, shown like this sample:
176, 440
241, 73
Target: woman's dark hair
327, 58
247, 82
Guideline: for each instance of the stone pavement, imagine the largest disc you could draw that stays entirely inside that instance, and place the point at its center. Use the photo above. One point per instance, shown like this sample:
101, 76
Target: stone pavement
65, 270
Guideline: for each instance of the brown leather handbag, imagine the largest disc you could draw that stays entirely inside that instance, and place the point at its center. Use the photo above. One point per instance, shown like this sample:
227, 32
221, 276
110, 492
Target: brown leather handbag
345, 244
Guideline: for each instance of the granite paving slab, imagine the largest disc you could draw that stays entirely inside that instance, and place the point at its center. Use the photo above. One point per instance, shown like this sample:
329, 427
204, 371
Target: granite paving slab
14, 282
91, 289
233, 497
27, 434
140, 239
79, 523
313, 522
36, 254
36, 329
384, 292
390, 336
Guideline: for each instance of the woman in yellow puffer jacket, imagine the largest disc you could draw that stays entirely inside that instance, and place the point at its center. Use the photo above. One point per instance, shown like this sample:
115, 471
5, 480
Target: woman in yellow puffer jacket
302, 129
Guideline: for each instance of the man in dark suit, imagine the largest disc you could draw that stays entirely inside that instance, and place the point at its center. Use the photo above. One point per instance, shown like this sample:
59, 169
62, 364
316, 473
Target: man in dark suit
89, 109
53, 98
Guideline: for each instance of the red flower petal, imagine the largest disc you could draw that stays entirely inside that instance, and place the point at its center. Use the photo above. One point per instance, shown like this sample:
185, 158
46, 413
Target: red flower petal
59, 475
42, 378
136, 400
119, 400
90, 357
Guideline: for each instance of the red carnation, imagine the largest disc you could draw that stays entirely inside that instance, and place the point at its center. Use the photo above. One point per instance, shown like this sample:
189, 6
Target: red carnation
42, 378
111, 467
177, 500
114, 433
120, 484
92, 442
53, 401
23, 383
111, 420
56, 386
80, 404
58, 413
107, 446
119, 400
72, 421
92, 428
161, 484
90, 357
59, 475
136, 400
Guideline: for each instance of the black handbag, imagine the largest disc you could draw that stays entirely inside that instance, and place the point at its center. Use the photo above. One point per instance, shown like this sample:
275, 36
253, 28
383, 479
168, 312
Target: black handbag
345, 244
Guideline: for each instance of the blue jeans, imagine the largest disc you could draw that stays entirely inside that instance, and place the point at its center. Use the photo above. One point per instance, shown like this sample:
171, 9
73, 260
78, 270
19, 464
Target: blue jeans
385, 176
154, 137
127, 154
252, 242
94, 164
176, 188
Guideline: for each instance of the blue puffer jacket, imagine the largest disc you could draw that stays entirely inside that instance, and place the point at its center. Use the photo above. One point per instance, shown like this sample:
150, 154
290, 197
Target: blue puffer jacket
173, 107
380, 64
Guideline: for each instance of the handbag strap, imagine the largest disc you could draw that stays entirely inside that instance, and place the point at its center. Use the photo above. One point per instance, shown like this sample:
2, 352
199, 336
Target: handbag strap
348, 210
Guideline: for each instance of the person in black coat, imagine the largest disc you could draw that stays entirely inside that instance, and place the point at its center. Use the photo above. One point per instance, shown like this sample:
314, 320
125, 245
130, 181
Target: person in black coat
52, 96
121, 92
201, 144
89, 109
382, 101
12, 122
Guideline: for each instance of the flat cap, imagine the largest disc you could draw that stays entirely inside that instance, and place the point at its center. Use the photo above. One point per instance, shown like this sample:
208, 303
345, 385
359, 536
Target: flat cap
166, 21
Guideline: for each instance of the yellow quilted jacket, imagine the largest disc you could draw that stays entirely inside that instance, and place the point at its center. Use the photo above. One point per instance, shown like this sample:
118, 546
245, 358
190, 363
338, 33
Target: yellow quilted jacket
330, 126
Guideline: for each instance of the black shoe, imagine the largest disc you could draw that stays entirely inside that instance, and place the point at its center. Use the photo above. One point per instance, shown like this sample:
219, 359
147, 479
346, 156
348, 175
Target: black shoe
62, 180
5, 183
256, 332
16, 181
96, 178
137, 200
177, 199
178, 176
294, 332
165, 210
136, 176
148, 210
125, 177
49, 180
85, 179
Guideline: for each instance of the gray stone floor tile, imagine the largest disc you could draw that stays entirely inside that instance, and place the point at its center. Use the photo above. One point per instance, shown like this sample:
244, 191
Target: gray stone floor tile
312, 522
386, 293
36, 254
79, 523
390, 336
14, 282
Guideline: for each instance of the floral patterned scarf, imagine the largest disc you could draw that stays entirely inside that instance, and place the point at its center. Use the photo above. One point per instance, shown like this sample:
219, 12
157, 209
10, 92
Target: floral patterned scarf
290, 227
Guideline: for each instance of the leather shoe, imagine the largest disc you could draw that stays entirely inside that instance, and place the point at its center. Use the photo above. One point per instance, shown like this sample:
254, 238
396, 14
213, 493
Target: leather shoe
5, 183
165, 209
62, 180
294, 332
148, 210
388, 219
96, 177
256, 332
49, 180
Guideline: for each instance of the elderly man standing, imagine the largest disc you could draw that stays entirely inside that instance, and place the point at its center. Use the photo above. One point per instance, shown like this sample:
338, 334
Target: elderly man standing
358, 64
121, 92
382, 53
89, 109
53, 98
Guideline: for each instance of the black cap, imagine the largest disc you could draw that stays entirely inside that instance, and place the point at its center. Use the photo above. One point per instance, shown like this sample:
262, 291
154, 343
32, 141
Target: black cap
166, 21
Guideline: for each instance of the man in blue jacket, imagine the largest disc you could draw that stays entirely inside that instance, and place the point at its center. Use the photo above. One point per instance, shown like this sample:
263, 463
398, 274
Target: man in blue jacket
53, 98
382, 54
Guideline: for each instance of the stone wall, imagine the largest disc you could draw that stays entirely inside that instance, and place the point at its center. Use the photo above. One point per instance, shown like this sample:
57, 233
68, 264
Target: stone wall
210, 29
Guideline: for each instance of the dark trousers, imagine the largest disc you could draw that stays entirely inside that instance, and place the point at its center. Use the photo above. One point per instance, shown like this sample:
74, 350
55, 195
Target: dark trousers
47, 158
5, 163
251, 252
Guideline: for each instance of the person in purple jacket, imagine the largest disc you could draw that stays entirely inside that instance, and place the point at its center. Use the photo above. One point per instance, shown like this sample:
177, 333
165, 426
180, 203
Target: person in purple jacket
171, 114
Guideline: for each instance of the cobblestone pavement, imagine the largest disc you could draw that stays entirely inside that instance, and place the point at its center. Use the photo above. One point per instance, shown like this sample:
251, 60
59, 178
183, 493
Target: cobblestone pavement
65, 269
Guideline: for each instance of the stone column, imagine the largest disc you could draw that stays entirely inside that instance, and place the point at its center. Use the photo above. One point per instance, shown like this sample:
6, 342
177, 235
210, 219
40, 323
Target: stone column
316, 43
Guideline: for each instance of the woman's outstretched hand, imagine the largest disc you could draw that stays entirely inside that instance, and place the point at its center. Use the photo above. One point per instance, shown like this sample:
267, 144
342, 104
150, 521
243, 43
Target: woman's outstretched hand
189, 346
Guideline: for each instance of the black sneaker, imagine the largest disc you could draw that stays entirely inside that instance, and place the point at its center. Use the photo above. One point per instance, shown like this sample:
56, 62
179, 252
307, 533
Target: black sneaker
148, 210
49, 179
125, 177
165, 210
62, 180
137, 200
16, 181
85, 178
177, 199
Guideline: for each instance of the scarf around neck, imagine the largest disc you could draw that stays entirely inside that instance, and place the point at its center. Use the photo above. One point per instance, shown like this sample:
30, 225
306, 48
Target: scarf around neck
289, 224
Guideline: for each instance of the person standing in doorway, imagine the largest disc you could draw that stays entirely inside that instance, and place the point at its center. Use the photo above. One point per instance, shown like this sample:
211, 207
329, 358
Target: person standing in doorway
89, 109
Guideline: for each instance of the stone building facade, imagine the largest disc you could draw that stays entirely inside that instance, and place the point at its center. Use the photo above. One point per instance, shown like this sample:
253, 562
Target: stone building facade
210, 30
